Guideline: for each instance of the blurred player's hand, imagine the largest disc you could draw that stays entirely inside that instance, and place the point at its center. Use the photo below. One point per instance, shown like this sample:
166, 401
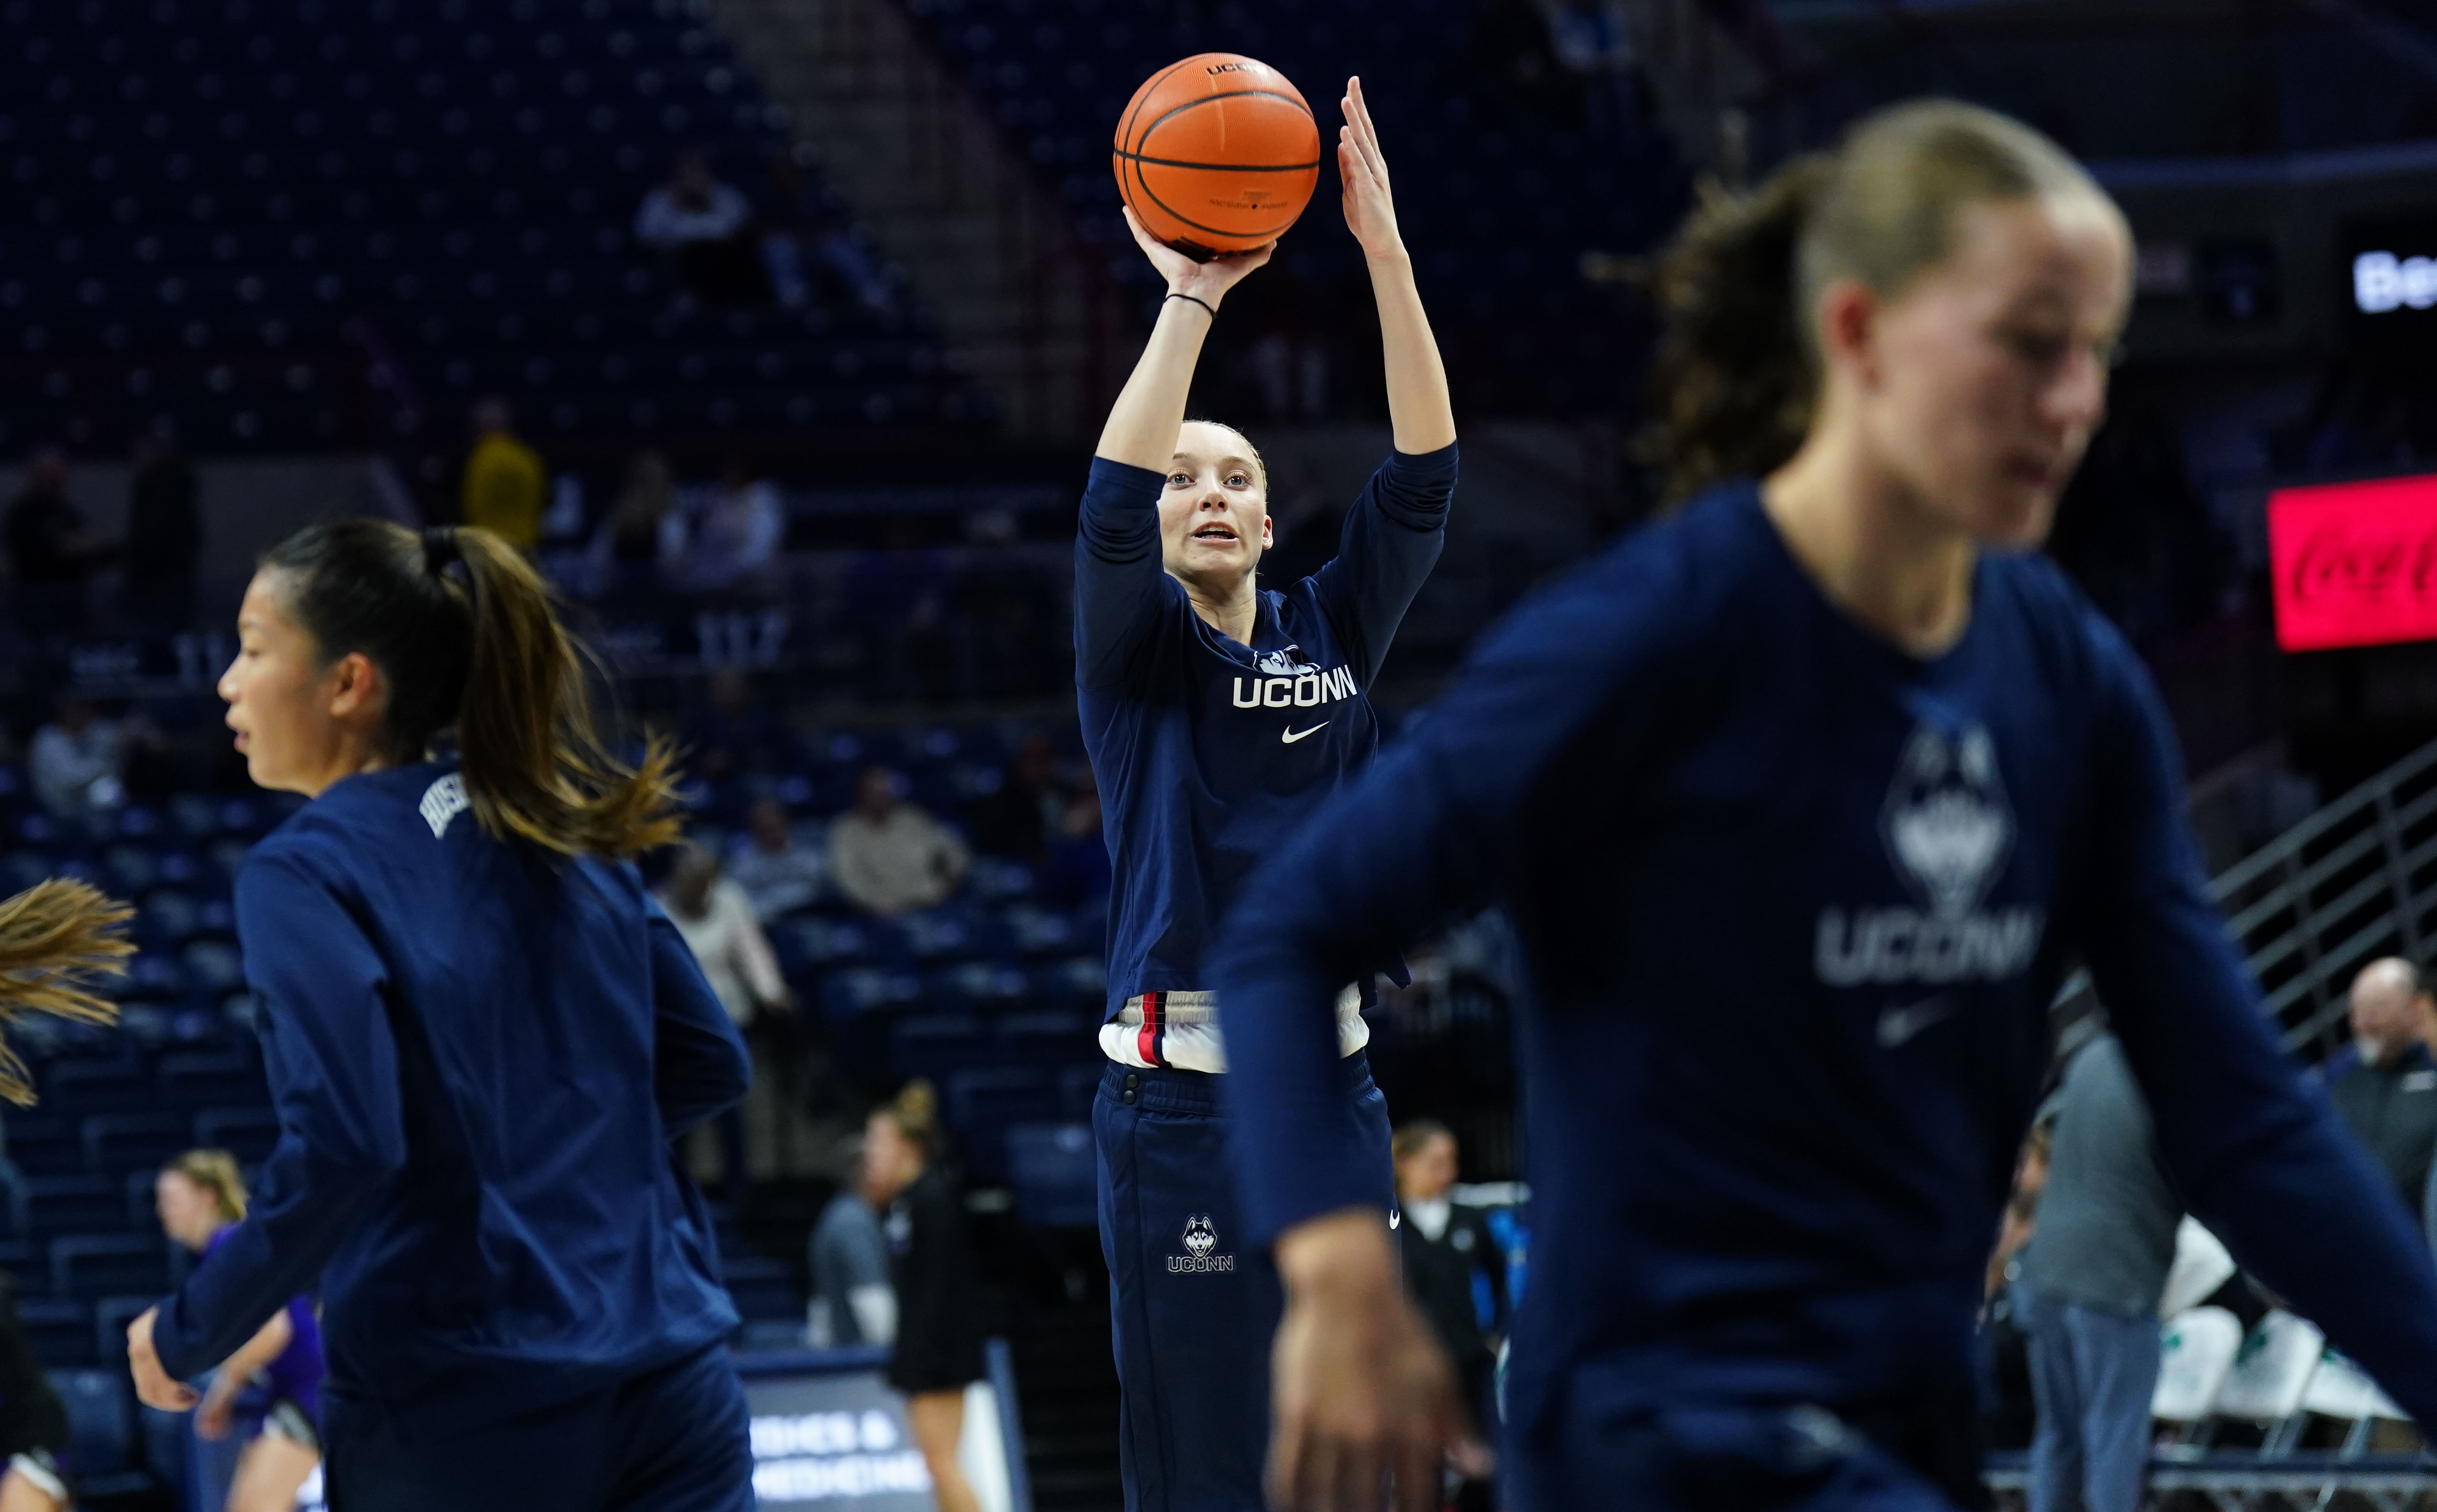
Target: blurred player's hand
153, 1387
1370, 208
1362, 1392
212, 1418
1206, 281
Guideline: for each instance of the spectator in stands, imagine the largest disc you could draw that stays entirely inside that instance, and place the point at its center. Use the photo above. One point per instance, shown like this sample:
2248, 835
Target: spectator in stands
890, 856
1077, 871
200, 1200
777, 875
33, 1420
807, 235
75, 761
643, 534
165, 534
1014, 821
705, 229
938, 1345
2384, 1083
505, 486
716, 919
2088, 1290
1452, 1261
733, 541
854, 1303
51, 553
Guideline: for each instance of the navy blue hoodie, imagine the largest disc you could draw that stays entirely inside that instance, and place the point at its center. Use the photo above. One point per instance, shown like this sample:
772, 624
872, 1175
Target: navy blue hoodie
481, 1054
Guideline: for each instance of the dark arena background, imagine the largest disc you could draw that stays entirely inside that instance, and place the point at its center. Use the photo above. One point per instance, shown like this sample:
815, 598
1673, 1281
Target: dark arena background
784, 329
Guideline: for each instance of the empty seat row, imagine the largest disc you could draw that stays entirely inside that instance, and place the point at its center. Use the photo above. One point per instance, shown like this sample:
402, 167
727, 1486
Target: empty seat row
68, 1168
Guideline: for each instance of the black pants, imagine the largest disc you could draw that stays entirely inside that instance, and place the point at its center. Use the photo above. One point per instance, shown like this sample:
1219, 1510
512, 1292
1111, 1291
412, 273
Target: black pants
675, 1439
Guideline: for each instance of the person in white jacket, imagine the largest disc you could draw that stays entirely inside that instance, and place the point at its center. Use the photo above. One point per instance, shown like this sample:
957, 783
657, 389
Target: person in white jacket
716, 919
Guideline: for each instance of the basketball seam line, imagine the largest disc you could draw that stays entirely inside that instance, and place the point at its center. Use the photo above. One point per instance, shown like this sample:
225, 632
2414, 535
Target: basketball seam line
1239, 93
1133, 109
1218, 168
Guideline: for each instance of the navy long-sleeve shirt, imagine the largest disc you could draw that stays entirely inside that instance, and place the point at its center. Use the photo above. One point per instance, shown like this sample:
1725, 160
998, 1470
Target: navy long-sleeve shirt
1793, 905
1210, 752
479, 1055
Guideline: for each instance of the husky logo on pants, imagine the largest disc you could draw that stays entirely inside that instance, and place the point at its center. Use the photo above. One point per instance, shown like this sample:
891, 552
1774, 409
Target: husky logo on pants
1200, 1237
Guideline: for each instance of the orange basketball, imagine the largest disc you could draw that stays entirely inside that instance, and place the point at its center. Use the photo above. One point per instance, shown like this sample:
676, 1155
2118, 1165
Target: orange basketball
1216, 153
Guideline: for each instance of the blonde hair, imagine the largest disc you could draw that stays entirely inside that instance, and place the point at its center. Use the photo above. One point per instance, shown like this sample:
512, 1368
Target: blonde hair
1737, 367
1414, 1135
215, 1171
55, 938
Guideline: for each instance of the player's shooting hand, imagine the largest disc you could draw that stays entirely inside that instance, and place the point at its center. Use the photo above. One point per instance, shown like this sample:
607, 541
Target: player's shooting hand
1362, 169
1206, 281
153, 1387
1363, 1394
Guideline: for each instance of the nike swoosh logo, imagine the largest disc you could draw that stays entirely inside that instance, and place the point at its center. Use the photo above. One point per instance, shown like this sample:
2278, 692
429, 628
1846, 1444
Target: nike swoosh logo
1898, 1025
1291, 736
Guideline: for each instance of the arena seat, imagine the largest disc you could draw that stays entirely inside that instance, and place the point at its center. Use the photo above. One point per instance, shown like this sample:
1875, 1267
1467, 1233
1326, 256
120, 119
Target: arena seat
60, 1331
249, 1133
2269, 1378
2198, 1349
42, 1145
1053, 1170
201, 1079
89, 1086
982, 1104
111, 1316
102, 1422
115, 1142
87, 1266
50, 1205
762, 1289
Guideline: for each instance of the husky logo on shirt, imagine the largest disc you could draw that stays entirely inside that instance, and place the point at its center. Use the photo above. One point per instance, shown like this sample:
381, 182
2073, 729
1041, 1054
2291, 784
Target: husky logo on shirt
1200, 1237
1950, 832
442, 802
1290, 682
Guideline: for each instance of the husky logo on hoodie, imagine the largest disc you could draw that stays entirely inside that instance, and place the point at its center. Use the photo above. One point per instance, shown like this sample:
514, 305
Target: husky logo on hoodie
1950, 832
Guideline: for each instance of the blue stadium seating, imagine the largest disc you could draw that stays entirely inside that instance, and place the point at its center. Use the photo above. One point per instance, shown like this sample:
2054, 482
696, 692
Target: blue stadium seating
983, 1104
204, 1079
761, 1289
101, 1423
60, 1331
111, 1316
246, 1133
99, 1085
118, 1141
1053, 1170
51, 1205
44, 1145
86, 1267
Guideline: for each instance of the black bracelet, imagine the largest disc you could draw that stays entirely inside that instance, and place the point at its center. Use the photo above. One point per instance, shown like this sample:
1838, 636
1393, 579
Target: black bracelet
1203, 303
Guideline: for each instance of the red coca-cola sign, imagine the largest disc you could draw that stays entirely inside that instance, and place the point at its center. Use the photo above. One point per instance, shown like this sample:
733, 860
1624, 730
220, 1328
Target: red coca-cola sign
2356, 563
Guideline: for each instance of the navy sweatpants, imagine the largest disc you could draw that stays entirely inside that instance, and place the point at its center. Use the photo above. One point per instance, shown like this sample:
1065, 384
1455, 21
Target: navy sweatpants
1742, 1458
676, 1439
1196, 1311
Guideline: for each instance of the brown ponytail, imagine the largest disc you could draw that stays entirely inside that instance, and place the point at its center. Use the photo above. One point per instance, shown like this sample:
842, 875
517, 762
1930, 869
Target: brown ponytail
55, 937
465, 633
1738, 368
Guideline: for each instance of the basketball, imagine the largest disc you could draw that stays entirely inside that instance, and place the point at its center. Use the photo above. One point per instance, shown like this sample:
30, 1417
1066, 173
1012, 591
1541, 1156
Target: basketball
1216, 153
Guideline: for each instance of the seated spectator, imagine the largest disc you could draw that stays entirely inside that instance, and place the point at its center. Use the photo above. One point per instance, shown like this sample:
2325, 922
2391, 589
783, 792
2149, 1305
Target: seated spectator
705, 228
854, 1304
2384, 1083
2088, 1287
77, 760
1013, 823
807, 237
716, 919
506, 485
732, 541
890, 856
1077, 868
777, 875
51, 553
165, 534
643, 534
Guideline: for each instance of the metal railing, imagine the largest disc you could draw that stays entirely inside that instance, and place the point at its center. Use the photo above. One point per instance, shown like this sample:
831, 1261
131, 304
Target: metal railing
2355, 881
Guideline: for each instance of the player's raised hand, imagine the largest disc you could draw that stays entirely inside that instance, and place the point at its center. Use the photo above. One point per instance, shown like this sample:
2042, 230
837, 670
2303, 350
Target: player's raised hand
1363, 1394
1370, 207
1206, 281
